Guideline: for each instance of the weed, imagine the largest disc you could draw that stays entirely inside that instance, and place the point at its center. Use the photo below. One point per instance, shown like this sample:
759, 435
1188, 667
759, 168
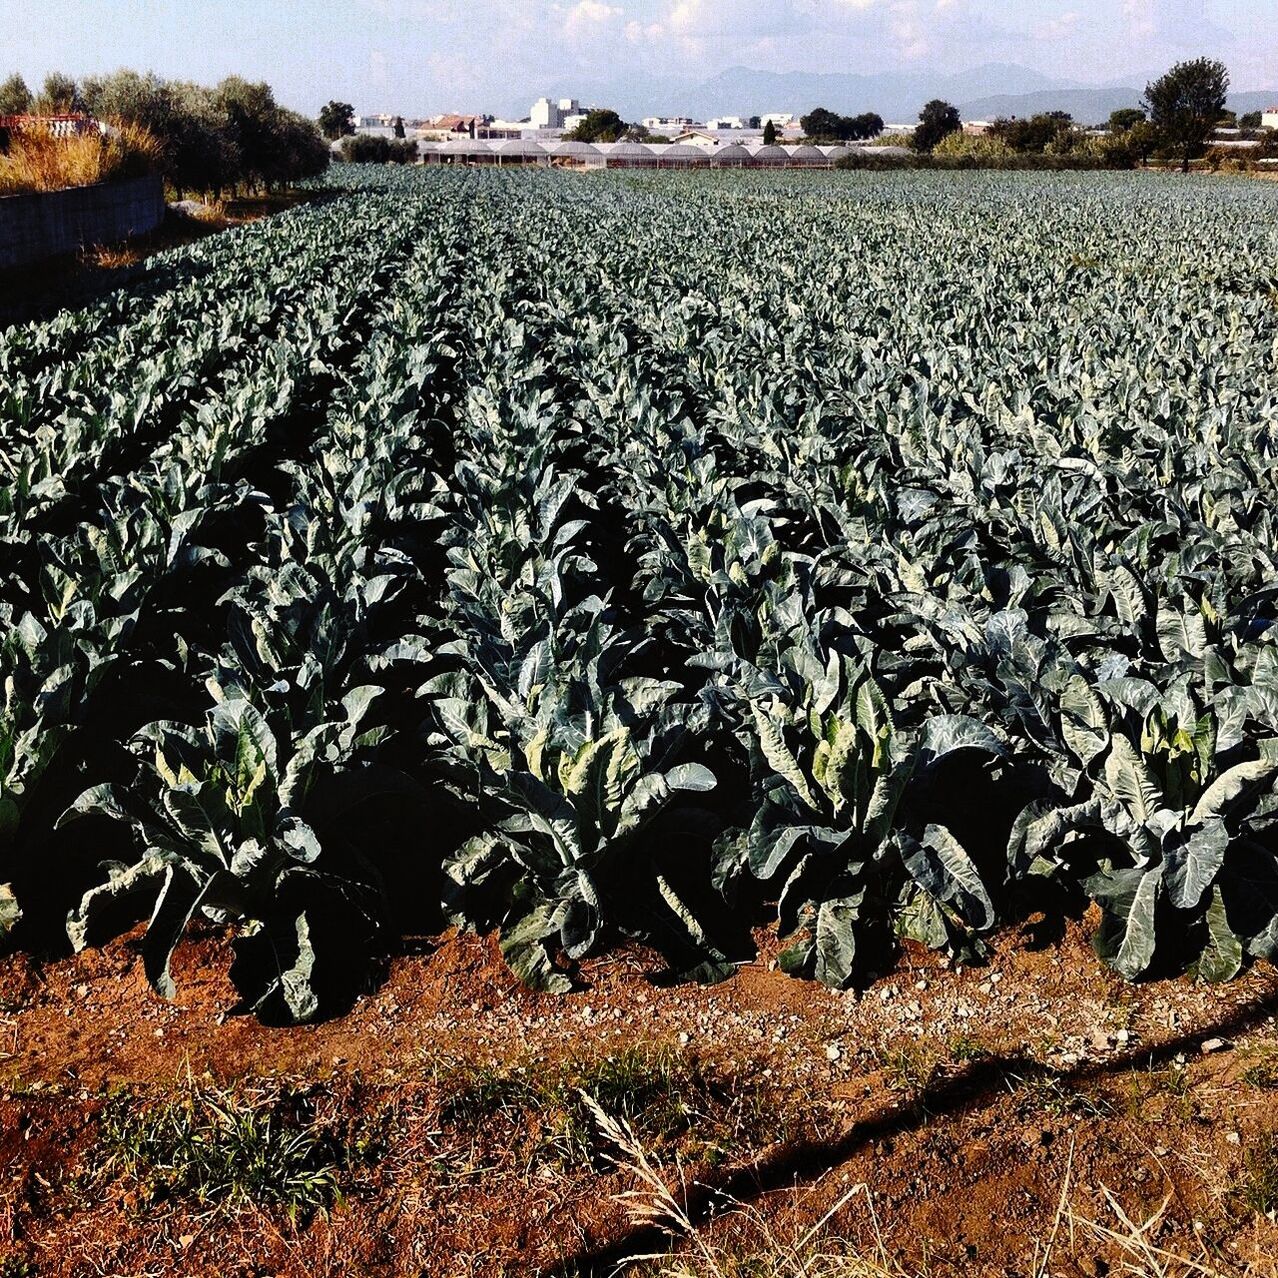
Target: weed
222, 1148
105, 257
37, 161
1262, 1070
476, 1092
910, 1068
965, 1048
668, 1095
1260, 1177
1045, 1091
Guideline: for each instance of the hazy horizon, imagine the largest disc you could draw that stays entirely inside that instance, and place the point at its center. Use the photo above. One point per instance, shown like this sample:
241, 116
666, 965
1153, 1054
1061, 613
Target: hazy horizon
424, 56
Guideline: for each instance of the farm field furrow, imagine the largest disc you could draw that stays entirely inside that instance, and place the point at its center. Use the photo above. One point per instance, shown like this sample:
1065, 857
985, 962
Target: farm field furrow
582, 559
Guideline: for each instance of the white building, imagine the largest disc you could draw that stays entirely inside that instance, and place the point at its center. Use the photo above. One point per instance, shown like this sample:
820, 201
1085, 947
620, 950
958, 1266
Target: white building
668, 123
546, 114
779, 119
711, 139
1269, 118
726, 122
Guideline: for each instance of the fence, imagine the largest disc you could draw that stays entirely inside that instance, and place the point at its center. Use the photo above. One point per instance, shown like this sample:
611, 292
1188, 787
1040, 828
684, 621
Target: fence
59, 126
34, 227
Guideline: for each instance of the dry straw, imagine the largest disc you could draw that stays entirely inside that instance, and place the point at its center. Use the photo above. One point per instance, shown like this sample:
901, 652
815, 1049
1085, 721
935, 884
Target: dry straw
38, 161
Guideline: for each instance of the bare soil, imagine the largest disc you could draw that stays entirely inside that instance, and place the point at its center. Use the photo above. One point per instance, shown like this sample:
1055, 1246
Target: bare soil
966, 1101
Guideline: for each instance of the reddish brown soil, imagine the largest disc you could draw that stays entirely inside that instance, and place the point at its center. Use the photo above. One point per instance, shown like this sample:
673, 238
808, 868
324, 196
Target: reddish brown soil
965, 1100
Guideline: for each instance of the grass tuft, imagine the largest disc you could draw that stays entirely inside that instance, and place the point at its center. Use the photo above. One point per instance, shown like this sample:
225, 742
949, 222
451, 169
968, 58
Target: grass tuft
668, 1095
1260, 1177
266, 1148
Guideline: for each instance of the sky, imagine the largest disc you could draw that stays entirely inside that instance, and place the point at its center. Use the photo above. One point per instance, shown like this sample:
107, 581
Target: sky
422, 56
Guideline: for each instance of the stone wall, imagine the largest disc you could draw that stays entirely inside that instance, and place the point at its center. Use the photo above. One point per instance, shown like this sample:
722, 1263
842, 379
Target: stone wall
34, 227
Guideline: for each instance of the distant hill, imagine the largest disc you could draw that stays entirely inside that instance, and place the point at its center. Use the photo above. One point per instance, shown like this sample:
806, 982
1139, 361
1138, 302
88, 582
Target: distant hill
1260, 100
1088, 106
895, 95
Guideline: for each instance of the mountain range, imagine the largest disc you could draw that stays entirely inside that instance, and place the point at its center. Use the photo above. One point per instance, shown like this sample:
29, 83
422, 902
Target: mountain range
983, 93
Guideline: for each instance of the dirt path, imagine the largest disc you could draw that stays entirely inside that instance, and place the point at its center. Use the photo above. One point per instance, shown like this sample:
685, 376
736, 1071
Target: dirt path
964, 1099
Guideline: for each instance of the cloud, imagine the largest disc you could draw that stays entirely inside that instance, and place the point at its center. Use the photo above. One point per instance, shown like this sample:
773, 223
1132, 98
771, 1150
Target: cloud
487, 50
1061, 27
589, 15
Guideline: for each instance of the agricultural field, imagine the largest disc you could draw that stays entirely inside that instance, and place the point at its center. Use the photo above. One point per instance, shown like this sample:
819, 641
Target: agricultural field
862, 578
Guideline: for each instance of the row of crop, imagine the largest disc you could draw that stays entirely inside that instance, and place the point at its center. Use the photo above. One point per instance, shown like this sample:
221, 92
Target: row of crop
650, 591
129, 600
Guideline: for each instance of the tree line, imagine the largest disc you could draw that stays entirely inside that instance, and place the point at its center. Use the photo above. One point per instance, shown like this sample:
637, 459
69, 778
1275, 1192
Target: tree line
229, 138
1180, 113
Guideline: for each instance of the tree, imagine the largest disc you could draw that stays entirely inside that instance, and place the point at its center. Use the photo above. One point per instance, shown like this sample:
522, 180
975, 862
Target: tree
769, 134
600, 125
1125, 118
1035, 135
369, 148
821, 124
753, 122
337, 120
1250, 120
827, 126
253, 115
15, 97
1186, 104
1143, 140
869, 124
937, 120
399, 128
59, 96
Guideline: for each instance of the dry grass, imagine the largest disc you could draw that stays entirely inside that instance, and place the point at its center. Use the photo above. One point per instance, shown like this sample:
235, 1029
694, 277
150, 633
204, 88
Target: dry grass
654, 1203
112, 257
817, 1252
36, 161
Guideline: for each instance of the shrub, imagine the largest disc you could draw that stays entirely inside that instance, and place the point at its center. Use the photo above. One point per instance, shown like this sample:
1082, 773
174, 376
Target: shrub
38, 161
984, 150
364, 148
988, 151
872, 162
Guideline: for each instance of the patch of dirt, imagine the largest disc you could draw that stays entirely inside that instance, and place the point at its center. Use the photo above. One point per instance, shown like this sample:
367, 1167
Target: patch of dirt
966, 1100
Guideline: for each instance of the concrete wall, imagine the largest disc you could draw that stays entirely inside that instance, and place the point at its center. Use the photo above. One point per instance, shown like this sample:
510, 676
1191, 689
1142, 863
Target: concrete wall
33, 227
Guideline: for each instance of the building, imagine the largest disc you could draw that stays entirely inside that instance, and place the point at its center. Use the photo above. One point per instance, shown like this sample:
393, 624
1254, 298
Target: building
779, 120
727, 122
977, 128
443, 127
711, 139
548, 114
544, 114
1269, 118
668, 123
